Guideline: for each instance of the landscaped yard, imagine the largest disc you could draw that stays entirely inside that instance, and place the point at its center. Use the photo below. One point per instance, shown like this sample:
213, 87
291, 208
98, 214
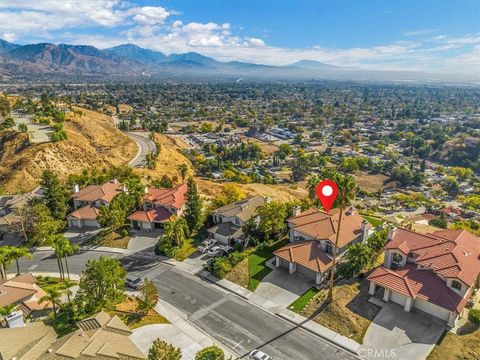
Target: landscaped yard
256, 263
109, 239
250, 271
127, 311
373, 220
48, 282
453, 347
349, 314
299, 304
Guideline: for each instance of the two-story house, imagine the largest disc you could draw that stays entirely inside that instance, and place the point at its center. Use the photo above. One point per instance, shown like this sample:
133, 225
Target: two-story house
88, 200
312, 240
158, 207
230, 218
435, 273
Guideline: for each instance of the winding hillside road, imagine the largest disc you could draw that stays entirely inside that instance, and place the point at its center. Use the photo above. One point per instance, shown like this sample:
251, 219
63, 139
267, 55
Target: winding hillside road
145, 146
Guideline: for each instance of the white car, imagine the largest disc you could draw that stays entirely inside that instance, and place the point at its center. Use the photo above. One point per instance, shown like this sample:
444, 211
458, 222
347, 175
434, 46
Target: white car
259, 355
215, 251
205, 245
226, 248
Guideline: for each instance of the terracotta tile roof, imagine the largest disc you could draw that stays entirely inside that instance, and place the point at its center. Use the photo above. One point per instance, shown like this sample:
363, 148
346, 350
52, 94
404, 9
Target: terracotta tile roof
450, 253
105, 192
22, 289
305, 253
174, 197
319, 225
419, 284
159, 215
88, 212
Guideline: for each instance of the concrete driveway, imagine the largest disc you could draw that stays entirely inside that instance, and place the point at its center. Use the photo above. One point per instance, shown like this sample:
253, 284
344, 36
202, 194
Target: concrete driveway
283, 288
396, 334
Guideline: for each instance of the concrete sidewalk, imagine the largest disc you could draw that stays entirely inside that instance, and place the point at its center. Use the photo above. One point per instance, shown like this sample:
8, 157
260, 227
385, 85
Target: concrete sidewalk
180, 333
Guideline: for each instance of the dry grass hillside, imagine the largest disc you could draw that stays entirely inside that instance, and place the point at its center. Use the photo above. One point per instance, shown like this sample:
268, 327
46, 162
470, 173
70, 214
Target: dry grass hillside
170, 158
92, 142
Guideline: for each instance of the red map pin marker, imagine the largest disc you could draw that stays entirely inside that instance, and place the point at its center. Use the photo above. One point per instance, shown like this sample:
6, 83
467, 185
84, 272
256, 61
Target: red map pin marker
327, 192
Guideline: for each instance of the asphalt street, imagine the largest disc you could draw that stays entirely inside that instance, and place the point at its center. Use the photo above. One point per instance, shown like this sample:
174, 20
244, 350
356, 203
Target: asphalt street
231, 320
145, 145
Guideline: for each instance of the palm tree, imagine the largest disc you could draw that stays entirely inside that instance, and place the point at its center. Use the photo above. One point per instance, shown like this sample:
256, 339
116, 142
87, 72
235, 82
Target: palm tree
176, 231
53, 296
59, 243
6, 258
19, 252
69, 250
346, 192
67, 283
183, 168
312, 186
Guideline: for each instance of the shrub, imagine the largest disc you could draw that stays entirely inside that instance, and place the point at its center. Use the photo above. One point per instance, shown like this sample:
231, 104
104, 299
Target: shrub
474, 316
210, 353
220, 267
235, 257
440, 223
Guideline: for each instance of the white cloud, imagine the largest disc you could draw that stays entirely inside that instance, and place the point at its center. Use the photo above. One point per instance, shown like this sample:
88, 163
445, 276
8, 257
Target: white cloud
150, 15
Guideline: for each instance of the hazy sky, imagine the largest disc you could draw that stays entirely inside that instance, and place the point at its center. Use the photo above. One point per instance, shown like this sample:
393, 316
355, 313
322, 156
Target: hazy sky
432, 35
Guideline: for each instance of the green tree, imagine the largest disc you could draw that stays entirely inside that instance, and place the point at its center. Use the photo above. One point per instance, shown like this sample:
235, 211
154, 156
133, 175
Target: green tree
37, 223
53, 296
5, 260
212, 352
346, 193
162, 350
59, 244
54, 195
356, 258
148, 297
67, 285
451, 185
7, 309
101, 286
176, 231
193, 207
272, 217
19, 252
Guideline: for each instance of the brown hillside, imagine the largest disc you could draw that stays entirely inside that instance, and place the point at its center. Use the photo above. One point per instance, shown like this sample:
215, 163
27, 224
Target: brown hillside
92, 141
170, 158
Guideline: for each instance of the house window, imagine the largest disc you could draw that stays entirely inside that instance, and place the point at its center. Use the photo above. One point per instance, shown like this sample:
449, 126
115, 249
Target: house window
397, 260
456, 285
329, 248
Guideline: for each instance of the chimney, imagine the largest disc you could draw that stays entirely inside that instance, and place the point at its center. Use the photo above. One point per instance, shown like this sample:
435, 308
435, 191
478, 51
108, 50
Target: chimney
296, 210
350, 211
146, 189
75, 188
115, 181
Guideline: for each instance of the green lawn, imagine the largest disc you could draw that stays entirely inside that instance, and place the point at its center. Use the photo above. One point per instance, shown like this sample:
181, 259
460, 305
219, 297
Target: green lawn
373, 220
256, 263
299, 304
48, 282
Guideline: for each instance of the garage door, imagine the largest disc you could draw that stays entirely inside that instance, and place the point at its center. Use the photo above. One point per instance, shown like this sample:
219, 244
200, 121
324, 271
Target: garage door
91, 223
306, 271
432, 309
398, 298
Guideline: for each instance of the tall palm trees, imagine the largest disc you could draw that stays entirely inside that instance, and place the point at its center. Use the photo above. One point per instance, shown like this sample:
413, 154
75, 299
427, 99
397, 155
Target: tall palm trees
63, 248
176, 231
8, 254
53, 296
346, 192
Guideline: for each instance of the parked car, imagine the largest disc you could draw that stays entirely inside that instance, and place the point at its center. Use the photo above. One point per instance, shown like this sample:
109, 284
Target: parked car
259, 355
226, 248
205, 245
215, 251
134, 282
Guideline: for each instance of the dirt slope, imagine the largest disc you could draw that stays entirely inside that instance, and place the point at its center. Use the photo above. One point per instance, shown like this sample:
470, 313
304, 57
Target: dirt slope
92, 141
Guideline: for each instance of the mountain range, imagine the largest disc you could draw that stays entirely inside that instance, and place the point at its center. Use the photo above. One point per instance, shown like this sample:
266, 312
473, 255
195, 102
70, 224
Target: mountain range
128, 60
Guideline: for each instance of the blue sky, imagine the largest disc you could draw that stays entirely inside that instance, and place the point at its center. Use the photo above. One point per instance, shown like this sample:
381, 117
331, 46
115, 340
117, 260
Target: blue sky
427, 35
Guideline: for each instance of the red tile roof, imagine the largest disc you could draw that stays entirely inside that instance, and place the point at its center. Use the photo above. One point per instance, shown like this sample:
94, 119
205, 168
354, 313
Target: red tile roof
450, 253
88, 212
159, 214
305, 253
105, 192
319, 225
174, 197
419, 284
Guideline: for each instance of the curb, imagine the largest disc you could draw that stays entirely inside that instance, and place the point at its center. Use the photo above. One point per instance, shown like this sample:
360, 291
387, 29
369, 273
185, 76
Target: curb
350, 349
99, 249
345, 347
